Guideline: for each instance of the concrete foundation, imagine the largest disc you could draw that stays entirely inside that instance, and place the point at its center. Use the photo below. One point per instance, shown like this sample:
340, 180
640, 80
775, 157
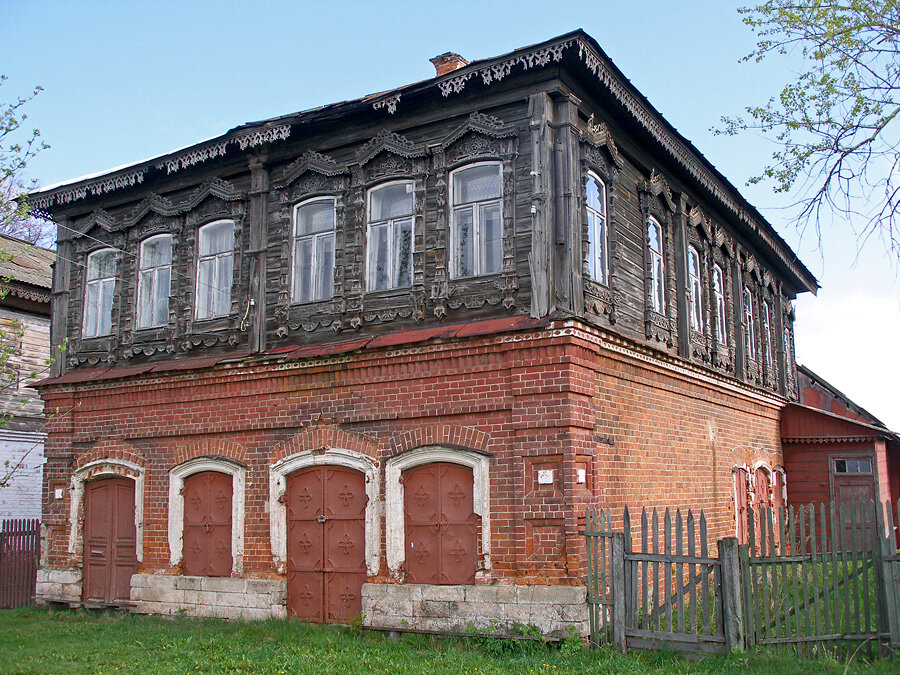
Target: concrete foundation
224, 597
552, 609
58, 586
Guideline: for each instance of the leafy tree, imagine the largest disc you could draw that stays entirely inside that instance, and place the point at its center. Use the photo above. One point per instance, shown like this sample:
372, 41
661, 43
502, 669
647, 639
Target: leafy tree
18, 146
837, 126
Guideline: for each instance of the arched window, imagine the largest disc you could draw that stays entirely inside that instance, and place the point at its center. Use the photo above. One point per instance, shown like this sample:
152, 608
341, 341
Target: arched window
749, 327
595, 205
719, 299
154, 281
657, 268
99, 290
476, 230
215, 269
313, 250
390, 236
695, 288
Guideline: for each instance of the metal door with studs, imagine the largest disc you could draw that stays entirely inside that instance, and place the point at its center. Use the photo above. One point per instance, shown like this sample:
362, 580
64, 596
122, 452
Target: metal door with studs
207, 524
441, 524
110, 540
326, 539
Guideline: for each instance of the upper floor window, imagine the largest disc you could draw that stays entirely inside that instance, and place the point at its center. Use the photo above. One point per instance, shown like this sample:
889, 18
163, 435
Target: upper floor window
657, 268
595, 202
476, 230
390, 236
749, 324
215, 269
719, 299
767, 332
100, 285
154, 281
695, 284
314, 250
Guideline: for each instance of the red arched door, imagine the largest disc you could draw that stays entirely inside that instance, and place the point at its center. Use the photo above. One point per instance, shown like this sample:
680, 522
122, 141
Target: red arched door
207, 524
440, 524
110, 540
326, 543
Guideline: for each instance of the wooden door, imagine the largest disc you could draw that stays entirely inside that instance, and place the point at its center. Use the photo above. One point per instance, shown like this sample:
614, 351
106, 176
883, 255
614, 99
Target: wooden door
326, 539
441, 525
110, 540
853, 484
207, 524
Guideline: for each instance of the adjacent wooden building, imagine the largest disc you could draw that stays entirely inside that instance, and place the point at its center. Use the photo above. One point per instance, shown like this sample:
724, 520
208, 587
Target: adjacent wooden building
380, 355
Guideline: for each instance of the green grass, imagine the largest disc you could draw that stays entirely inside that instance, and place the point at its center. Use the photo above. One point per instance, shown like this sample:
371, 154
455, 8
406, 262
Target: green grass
33, 640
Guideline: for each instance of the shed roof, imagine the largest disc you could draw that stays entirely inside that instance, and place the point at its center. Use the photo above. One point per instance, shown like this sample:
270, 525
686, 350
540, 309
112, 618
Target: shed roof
26, 263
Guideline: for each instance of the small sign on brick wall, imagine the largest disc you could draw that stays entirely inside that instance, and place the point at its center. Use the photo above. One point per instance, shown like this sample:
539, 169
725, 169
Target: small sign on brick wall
545, 476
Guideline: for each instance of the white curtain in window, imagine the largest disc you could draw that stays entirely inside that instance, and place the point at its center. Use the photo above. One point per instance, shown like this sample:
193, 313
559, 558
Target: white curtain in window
215, 269
154, 282
100, 286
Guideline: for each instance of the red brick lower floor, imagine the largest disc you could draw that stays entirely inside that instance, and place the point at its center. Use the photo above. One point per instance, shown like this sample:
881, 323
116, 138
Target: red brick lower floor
427, 485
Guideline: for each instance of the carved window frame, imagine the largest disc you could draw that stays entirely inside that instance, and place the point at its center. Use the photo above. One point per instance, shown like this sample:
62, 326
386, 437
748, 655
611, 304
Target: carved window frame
748, 309
723, 354
600, 157
224, 255
387, 157
479, 139
597, 232
312, 176
154, 217
98, 227
223, 329
720, 311
695, 290
177, 476
658, 204
476, 221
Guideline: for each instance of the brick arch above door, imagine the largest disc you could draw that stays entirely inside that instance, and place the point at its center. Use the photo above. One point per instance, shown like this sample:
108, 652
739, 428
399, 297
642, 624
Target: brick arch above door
445, 435
323, 456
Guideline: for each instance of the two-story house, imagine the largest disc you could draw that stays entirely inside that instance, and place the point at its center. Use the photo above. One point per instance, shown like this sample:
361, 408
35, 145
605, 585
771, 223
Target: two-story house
386, 351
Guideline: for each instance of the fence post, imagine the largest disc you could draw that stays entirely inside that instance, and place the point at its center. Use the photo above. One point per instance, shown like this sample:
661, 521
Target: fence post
617, 587
886, 553
732, 615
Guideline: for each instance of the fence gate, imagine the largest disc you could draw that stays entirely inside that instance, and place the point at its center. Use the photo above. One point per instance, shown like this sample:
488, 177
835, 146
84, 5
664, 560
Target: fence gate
666, 594
19, 554
820, 579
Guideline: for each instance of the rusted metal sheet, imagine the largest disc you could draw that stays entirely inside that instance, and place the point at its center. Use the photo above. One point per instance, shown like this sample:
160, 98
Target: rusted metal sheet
326, 543
441, 525
207, 524
110, 536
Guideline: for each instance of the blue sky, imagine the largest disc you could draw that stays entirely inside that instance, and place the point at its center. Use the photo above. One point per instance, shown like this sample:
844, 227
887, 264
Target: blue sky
125, 81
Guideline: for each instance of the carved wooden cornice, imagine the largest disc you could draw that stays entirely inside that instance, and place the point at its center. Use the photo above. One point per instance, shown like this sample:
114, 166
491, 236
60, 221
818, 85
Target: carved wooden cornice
390, 142
481, 124
310, 161
598, 135
657, 186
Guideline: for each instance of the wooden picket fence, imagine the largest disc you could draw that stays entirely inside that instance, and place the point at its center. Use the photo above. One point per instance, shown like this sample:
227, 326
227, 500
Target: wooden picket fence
20, 543
810, 581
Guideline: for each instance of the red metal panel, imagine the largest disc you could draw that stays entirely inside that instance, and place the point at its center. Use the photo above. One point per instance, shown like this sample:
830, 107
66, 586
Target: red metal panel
206, 549
110, 554
421, 512
326, 543
741, 494
441, 525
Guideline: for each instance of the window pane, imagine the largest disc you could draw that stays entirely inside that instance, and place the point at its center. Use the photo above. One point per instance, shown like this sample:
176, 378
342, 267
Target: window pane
403, 254
596, 195
303, 254
104, 309
217, 238
865, 465
163, 290
325, 273
205, 288
314, 217
145, 299
156, 252
90, 310
392, 201
840, 466
476, 184
101, 265
693, 263
223, 283
653, 236
657, 284
464, 252
491, 230
378, 258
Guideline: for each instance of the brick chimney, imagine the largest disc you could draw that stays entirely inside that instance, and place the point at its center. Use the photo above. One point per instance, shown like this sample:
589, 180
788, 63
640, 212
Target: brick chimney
448, 62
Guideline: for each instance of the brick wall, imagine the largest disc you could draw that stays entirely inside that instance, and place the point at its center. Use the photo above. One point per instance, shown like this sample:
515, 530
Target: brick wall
645, 429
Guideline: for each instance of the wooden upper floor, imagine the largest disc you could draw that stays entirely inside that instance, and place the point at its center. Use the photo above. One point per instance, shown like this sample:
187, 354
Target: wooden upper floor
537, 183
